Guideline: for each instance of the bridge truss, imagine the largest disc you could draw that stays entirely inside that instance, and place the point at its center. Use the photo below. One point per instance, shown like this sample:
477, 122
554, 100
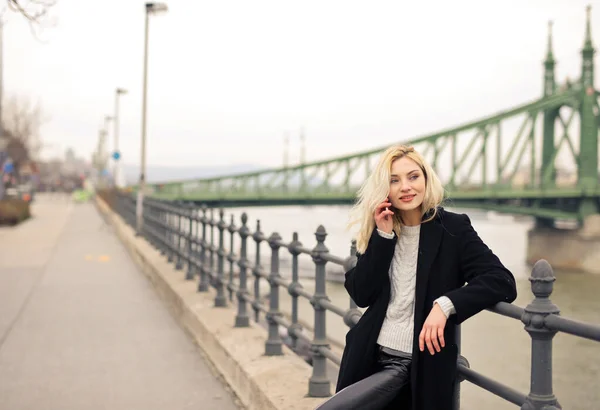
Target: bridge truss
538, 159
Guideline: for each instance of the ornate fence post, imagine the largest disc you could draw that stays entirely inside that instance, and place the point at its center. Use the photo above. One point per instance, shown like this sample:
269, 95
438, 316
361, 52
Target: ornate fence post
258, 237
163, 230
170, 233
131, 203
461, 361
180, 210
273, 343
212, 249
242, 319
293, 290
203, 285
541, 396
220, 299
196, 241
231, 258
190, 250
319, 385
149, 235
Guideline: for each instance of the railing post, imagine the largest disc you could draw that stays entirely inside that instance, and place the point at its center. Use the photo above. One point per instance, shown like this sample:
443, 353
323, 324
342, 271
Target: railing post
163, 231
132, 204
148, 211
273, 343
258, 237
179, 263
203, 285
158, 234
150, 227
541, 396
156, 227
170, 232
231, 258
212, 249
196, 241
461, 361
319, 385
160, 213
220, 299
293, 290
242, 319
142, 231
190, 250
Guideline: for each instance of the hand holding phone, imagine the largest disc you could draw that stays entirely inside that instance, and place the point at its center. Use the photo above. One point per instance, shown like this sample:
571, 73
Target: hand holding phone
383, 216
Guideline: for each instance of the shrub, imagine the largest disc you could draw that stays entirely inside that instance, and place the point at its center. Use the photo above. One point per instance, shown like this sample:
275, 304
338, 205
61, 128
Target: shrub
13, 211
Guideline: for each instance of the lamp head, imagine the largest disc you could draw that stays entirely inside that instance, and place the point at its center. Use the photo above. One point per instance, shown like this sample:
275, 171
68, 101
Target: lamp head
156, 8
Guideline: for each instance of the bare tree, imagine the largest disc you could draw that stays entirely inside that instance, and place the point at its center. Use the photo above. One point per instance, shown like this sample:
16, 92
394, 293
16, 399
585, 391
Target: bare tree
32, 10
36, 12
21, 122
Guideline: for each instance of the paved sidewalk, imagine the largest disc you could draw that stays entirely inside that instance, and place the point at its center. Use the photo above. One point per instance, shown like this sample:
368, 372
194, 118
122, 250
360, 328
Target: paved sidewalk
81, 328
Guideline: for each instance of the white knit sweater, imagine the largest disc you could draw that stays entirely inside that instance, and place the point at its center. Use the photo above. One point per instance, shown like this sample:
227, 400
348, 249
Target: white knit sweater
398, 325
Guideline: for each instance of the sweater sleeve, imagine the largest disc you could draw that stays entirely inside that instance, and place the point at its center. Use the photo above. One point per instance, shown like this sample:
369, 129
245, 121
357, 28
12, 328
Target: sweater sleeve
385, 234
446, 305
364, 281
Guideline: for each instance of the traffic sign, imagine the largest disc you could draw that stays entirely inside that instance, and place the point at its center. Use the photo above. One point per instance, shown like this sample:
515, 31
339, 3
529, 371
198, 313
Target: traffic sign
116, 155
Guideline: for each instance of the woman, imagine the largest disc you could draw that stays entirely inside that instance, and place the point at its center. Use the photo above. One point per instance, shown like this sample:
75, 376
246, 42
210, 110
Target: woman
414, 259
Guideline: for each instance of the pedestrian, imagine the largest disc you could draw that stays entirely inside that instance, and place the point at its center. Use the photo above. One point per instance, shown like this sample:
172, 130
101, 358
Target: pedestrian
413, 261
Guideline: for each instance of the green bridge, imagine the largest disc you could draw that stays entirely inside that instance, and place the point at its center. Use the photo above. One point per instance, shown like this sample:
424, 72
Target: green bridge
507, 162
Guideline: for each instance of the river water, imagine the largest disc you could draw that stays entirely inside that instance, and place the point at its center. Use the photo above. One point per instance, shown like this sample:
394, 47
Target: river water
494, 345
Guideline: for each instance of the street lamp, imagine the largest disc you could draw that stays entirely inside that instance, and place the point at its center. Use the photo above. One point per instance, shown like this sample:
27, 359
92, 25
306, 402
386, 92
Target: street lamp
100, 157
104, 131
116, 153
151, 8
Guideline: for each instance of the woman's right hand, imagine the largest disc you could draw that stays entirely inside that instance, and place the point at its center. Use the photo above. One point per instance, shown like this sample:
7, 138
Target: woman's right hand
384, 217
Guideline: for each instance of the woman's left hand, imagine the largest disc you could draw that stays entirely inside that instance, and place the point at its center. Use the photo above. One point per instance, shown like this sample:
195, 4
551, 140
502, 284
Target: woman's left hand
432, 333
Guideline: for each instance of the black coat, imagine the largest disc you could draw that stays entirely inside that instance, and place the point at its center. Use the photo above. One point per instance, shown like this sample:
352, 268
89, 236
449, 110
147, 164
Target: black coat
450, 255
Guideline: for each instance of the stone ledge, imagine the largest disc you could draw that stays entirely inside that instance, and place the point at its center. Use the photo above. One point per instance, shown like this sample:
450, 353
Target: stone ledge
568, 250
260, 382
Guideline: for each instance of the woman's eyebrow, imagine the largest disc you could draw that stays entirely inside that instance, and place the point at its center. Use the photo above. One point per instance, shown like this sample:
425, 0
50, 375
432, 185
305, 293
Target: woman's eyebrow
410, 172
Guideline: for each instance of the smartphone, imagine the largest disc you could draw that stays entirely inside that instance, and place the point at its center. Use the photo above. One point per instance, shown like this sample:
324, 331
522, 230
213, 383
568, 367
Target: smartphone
386, 208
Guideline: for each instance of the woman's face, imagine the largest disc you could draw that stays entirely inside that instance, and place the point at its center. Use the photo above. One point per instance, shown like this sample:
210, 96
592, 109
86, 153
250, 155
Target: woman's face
407, 185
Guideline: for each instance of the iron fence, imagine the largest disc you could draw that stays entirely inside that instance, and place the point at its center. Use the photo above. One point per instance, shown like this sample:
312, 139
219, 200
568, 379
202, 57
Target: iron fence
185, 233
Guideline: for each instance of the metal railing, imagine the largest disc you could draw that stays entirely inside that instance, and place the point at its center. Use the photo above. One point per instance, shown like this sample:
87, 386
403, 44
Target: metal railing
174, 228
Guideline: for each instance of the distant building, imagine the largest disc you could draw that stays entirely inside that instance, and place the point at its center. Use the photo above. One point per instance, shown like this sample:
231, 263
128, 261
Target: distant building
3, 157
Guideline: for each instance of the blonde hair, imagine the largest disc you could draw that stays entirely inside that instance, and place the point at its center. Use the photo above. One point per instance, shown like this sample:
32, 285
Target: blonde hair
376, 189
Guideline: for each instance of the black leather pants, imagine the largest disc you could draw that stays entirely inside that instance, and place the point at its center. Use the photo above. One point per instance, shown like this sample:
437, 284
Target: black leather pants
376, 391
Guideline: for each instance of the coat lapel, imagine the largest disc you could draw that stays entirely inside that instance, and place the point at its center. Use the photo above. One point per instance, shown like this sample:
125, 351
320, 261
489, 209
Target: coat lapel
429, 243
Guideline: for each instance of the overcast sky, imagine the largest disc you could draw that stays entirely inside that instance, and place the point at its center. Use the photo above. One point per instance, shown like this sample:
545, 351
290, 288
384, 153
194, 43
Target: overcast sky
228, 78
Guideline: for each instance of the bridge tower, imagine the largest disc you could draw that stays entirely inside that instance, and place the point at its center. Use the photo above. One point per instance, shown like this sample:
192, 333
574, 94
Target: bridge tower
577, 249
547, 171
588, 145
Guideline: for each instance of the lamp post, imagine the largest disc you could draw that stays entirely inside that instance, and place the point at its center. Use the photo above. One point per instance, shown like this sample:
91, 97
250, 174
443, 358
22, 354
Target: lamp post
151, 8
116, 153
102, 155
